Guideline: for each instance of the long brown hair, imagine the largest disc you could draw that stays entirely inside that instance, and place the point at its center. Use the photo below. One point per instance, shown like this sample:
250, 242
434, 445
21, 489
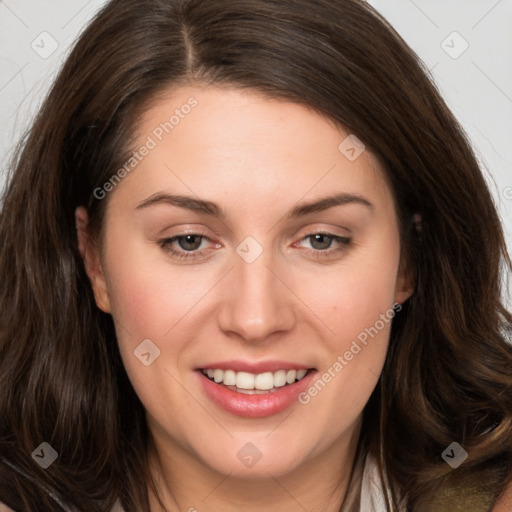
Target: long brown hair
448, 375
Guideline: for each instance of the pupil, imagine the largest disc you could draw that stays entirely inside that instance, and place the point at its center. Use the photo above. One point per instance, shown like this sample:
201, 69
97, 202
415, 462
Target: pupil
325, 241
187, 242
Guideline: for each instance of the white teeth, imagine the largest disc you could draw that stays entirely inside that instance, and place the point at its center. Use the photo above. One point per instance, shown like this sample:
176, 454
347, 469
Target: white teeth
264, 381
301, 374
229, 378
244, 380
291, 376
280, 378
248, 381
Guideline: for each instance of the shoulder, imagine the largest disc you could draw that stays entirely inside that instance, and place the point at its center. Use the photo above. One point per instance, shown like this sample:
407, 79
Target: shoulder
504, 504
4, 508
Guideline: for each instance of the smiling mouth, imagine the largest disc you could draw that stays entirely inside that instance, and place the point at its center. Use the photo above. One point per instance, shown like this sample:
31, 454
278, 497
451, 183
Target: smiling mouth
255, 384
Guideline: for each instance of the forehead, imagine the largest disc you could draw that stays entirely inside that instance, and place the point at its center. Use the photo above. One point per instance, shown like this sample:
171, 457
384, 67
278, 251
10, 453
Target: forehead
238, 145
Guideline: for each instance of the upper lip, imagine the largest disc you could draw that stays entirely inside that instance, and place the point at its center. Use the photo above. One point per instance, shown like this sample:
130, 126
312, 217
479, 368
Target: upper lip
253, 366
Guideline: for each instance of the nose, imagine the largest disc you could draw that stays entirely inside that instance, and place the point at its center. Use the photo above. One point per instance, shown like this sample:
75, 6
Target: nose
256, 301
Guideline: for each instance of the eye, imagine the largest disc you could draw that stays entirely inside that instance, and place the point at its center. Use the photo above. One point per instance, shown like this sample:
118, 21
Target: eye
190, 246
322, 244
184, 246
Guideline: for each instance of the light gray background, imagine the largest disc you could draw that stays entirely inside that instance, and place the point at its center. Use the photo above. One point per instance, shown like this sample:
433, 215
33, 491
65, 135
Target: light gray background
476, 83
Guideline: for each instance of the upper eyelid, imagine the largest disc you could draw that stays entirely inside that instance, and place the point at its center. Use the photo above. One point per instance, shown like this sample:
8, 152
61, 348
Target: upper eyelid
310, 231
174, 238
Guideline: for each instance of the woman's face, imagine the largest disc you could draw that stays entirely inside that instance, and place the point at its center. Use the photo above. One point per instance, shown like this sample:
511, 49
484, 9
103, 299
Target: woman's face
252, 241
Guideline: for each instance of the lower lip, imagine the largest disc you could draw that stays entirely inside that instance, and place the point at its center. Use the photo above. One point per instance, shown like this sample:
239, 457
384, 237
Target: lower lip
255, 406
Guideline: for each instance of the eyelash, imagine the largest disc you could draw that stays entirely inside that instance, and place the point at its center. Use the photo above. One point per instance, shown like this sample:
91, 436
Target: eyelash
166, 243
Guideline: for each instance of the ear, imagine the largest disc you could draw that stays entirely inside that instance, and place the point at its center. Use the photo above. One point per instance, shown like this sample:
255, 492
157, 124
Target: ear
90, 253
405, 284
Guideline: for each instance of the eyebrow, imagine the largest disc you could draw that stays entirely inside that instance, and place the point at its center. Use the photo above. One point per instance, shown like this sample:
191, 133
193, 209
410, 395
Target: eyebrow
213, 209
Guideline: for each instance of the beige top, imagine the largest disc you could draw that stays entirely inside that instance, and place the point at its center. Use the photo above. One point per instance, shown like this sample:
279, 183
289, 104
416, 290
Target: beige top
373, 497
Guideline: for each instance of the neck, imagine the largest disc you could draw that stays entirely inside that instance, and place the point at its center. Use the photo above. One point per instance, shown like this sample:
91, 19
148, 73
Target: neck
186, 483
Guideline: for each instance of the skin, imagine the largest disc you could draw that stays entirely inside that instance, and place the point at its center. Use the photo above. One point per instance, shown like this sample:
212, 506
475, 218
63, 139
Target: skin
257, 159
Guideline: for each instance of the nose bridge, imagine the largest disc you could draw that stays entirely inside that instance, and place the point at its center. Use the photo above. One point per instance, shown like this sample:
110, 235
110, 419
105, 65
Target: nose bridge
256, 285
257, 303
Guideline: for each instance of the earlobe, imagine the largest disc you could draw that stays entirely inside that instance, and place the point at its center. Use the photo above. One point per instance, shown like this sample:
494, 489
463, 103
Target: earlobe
403, 293
404, 284
89, 251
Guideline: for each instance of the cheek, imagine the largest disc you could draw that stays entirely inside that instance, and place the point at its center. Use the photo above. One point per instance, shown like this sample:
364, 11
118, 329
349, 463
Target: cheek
366, 293
147, 303
351, 297
359, 313
140, 301
358, 309
148, 294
